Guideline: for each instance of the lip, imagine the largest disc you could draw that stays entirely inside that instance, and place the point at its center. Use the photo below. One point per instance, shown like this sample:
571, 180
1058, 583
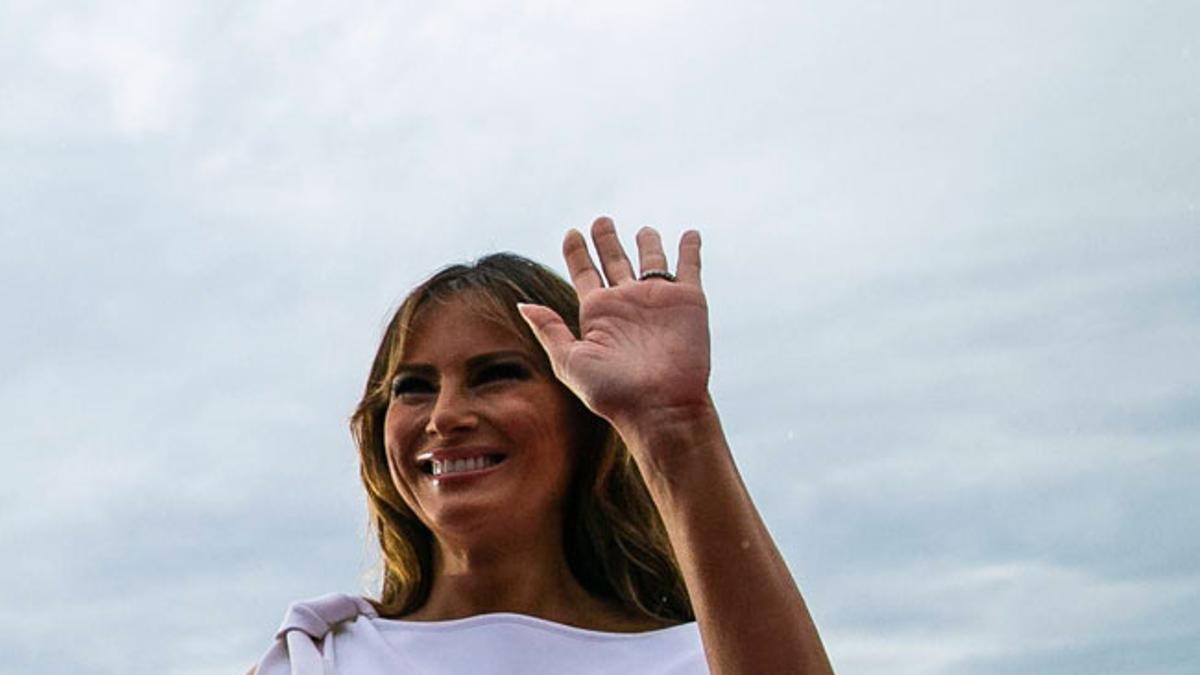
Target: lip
451, 454
464, 452
460, 477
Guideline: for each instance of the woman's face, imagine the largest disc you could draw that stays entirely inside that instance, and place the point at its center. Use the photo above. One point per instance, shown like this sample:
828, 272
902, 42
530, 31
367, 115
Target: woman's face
477, 434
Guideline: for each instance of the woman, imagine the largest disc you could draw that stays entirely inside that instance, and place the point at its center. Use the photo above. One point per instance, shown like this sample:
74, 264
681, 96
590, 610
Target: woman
551, 486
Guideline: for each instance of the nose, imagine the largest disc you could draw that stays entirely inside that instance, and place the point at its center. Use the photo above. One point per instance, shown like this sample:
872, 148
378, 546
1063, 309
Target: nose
452, 413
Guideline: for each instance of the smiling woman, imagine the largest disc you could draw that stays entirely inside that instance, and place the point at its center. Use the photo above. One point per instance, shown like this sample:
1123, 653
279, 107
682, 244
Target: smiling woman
551, 488
481, 443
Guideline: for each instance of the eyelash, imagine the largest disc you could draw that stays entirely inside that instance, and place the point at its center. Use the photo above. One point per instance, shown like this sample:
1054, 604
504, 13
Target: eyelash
412, 384
405, 384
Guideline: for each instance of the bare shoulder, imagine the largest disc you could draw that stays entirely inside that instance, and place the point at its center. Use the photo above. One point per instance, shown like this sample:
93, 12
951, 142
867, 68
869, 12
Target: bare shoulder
251, 671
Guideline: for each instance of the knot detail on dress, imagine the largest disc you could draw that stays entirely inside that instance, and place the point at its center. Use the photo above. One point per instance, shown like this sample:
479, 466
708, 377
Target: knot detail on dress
315, 617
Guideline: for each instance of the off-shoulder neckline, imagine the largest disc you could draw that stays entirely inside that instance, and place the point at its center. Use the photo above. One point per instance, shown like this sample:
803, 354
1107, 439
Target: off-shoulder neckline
493, 618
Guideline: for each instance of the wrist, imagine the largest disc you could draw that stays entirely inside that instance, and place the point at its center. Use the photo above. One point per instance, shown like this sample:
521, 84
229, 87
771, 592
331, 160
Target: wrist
668, 442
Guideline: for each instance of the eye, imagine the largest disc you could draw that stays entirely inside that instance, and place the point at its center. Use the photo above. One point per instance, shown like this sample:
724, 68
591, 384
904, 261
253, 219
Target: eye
410, 384
501, 371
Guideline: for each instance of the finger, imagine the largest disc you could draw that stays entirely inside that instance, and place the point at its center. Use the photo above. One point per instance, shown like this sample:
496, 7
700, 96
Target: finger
551, 333
689, 258
650, 251
612, 256
584, 275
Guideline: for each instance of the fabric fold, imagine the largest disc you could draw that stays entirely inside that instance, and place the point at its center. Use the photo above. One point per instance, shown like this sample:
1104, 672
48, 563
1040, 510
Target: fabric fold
297, 649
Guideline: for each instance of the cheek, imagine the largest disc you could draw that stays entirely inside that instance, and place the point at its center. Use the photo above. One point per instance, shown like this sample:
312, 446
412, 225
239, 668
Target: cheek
404, 488
396, 430
556, 426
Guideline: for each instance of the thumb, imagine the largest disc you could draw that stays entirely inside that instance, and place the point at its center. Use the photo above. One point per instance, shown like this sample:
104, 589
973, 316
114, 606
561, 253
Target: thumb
550, 330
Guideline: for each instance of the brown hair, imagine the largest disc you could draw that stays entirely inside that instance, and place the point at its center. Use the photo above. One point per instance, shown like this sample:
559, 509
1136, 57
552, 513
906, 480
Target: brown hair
614, 540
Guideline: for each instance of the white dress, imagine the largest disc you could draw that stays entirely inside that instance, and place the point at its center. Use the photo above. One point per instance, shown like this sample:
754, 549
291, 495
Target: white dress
342, 634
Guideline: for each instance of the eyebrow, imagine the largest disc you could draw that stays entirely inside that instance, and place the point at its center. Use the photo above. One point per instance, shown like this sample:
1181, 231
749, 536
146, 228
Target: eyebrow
472, 363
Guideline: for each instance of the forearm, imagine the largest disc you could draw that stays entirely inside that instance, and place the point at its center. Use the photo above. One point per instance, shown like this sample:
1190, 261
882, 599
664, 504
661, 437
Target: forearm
751, 615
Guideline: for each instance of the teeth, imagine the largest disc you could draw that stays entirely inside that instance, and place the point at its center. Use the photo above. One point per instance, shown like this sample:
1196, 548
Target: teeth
442, 467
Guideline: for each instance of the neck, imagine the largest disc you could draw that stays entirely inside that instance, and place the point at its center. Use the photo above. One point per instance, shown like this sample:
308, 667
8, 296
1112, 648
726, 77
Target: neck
530, 578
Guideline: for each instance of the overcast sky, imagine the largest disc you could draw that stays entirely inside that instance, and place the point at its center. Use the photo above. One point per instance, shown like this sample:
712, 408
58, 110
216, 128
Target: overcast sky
952, 252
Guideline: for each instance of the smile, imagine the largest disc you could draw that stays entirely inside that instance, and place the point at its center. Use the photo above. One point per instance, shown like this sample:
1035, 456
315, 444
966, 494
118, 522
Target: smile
447, 467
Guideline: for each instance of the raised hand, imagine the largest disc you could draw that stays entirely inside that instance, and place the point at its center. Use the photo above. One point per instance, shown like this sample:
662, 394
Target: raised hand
643, 355
642, 363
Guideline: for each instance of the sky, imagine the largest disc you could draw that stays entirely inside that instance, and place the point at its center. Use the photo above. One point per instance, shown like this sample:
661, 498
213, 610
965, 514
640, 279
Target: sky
950, 251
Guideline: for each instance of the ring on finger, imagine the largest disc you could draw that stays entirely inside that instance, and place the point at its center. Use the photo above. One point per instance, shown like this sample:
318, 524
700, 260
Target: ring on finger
656, 274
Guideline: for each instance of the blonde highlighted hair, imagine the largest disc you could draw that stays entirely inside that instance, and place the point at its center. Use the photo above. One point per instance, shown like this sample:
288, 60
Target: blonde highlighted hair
614, 540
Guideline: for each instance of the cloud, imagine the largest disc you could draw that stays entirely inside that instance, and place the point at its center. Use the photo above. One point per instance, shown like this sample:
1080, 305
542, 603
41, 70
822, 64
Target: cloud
949, 254
941, 619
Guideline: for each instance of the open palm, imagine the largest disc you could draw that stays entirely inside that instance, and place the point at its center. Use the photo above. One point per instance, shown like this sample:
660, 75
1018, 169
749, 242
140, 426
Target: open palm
643, 352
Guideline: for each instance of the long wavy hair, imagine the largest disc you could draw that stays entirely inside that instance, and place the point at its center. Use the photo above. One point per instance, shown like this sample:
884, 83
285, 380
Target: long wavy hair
615, 543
